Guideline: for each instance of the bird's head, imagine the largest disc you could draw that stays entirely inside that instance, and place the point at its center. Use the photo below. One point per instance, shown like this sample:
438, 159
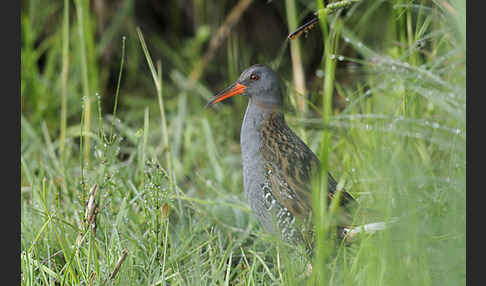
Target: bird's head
258, 82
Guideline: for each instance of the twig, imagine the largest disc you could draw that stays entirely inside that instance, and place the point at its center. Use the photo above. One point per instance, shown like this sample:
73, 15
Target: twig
118, 264
350, 233
90, 213
51, 256
278, 266
448, 7
91, 205
222, 33
92, 278
330, 8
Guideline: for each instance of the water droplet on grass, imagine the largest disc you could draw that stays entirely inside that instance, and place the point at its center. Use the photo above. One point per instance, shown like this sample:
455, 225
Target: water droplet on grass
98, 153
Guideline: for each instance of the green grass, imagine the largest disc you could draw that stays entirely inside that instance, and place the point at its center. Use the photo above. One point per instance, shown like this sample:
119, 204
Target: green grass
168, 171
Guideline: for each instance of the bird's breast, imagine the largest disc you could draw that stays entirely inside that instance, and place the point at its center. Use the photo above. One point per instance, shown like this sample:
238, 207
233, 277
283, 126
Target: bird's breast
254, 180
252, 159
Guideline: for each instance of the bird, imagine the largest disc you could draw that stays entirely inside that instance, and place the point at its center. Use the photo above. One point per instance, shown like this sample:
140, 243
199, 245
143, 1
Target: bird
278, 167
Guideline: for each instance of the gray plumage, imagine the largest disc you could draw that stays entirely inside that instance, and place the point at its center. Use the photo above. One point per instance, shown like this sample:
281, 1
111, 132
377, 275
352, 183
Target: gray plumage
277, 165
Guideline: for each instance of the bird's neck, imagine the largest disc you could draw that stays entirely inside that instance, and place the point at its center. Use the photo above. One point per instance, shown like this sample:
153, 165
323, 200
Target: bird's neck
257, 113
256, 116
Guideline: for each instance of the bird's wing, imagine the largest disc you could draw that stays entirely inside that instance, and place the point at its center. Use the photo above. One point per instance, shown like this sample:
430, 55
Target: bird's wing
290, 168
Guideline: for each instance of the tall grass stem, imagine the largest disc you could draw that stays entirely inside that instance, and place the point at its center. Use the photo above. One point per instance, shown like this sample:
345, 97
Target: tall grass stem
122, 61
64, 80
84, 72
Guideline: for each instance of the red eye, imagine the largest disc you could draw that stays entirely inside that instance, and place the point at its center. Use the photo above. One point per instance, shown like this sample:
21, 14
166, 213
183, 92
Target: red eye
254, 77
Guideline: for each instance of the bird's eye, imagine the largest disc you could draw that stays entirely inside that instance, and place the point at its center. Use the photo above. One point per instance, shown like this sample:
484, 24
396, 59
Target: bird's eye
254, 77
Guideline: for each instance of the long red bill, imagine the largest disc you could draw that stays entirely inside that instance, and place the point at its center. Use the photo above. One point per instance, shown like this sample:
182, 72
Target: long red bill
234, 89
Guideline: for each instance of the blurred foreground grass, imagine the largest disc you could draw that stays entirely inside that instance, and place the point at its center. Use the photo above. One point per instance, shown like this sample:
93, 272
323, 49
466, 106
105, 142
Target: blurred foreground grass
170, 194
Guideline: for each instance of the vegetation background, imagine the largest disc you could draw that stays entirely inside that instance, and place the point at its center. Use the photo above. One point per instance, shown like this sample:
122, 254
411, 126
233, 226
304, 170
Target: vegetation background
126, 179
